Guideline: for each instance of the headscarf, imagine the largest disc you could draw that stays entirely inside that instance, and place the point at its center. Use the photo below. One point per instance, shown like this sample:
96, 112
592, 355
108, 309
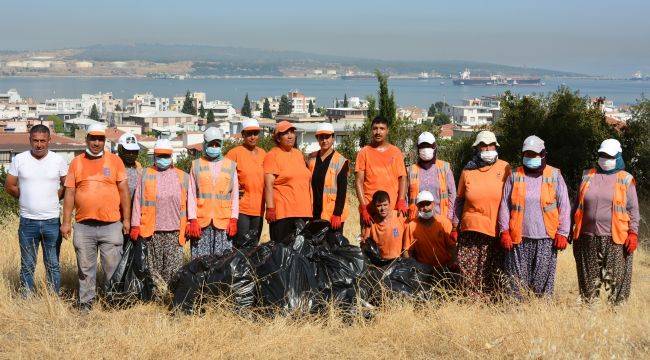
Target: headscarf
620, 165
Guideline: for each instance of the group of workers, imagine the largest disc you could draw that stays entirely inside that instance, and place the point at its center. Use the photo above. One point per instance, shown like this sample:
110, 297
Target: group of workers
496, 227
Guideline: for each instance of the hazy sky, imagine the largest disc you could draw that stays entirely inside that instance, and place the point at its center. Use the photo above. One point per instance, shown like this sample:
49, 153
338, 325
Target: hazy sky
598, 37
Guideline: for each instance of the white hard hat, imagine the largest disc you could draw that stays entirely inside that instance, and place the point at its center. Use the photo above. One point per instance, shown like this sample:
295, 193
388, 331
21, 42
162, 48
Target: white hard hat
324, 128
250, 125
212, 133
424, 196
485, 137
163, 146
97, 130
610, 147
534, 144
129, 142
426, 137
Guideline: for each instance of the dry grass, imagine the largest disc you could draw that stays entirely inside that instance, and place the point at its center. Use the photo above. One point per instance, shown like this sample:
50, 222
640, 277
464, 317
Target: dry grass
46, 327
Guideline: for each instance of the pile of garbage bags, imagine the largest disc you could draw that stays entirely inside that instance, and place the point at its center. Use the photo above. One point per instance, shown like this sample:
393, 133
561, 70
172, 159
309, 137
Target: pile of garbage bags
131, 280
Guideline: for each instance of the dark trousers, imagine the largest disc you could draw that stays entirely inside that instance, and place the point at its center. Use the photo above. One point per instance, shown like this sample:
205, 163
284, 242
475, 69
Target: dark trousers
246, 224
279, 230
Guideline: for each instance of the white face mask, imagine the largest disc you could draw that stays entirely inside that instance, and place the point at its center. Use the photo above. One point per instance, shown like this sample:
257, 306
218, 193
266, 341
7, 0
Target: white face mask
425, 215
426, 154
489, 156
101, 153
607, 164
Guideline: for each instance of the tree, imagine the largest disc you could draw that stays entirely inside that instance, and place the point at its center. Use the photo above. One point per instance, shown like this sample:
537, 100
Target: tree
440, 106
387, 107
188, 105
345, 100
311, 107
432, 111
636, 146
210, 116
94, 114
266, 109
246, 108
285, 106
118, 107
58, 123
202, 112
440, 119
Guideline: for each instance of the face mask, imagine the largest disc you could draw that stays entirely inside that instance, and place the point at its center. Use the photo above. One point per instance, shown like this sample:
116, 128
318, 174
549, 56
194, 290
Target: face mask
101, 153
213, 152
607, 164
425, 215
489, 156
426, 154
163, 163
532, 163
128, 158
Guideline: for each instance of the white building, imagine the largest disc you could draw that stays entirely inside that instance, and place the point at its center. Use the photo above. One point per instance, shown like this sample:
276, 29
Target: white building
222, 110
475, 112
11, 96
147, 103
300, 102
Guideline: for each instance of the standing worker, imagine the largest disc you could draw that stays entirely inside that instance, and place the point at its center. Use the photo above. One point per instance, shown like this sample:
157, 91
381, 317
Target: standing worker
606, 227
36, 179
380, 166
287, 184
213, 199
97, 189
480, 187
534, 221
128, 150
159, 214
435, 176
250, 174
329, 179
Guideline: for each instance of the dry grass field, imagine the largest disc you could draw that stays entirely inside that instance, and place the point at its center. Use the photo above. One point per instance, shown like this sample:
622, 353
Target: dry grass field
46, 327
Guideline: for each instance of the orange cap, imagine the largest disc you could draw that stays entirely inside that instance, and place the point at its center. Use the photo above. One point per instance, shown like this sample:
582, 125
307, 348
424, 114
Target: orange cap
283, 126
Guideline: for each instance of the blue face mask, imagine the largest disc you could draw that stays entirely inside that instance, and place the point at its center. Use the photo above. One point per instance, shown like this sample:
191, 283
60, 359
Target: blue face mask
163, 163
213, 152
532, 163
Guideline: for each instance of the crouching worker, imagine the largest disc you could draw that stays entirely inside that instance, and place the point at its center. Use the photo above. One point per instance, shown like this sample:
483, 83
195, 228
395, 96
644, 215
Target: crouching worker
213, 199
387, 228
159, 214
429, 239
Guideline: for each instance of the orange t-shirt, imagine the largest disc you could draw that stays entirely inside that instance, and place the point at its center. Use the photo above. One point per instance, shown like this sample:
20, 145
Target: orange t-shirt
251, 178
382, 170
389, 236
429, 243
292, 185
95, 181
482, 190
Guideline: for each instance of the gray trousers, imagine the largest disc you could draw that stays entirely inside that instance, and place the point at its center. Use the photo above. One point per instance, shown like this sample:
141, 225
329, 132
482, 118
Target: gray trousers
90, 237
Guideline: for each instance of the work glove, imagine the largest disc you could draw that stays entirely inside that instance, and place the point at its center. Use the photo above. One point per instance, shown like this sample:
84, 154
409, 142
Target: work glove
560, 242
134, 233
270, 215
232, 227
335, 221
413, 212
631, 242
454, 236
402, 207
365, 215
193, 229
454, 267
506, 240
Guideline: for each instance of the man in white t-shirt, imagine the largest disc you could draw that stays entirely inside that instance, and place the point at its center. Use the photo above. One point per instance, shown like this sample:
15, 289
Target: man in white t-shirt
36, 179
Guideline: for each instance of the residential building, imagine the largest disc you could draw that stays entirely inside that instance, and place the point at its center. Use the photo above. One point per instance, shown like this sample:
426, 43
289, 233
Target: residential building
147, 103
15, 143
11, 96
23, 125
274, 103
165, 122
222, 110
300, 102
353, 102
345, 113
83, 123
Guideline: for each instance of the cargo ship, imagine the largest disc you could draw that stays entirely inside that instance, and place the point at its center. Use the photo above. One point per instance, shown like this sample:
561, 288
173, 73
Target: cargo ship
357, 76
495, 80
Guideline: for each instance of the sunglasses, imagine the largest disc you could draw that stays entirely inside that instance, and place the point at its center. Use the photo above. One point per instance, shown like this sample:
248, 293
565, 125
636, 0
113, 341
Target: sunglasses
322, 137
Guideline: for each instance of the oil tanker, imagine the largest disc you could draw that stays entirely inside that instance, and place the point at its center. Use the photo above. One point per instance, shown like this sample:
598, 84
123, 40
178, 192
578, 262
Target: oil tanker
495, 80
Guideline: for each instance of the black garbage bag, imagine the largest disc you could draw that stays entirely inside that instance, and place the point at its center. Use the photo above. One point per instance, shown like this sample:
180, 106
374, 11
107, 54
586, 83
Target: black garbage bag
246, 241
371, 250
230, 276
339, 271
336, 239
132, 279
286, 278
406, 276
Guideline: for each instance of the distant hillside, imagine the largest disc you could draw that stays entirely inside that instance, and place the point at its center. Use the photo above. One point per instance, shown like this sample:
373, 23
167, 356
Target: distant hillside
216, 59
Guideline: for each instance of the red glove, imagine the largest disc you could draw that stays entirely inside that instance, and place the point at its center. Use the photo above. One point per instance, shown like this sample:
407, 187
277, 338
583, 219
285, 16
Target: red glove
402, 207
193, 230
365, 215
454, 236
454, 267
270, 215
232, 227
631, 242
335, 221
506, 240
560, 242
413, 212
134, 233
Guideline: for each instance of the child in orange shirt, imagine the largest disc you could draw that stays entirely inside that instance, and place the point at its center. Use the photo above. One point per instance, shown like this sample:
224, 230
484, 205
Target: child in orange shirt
387, 229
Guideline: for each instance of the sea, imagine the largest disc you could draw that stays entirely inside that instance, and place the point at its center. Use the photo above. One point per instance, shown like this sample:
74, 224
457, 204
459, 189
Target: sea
408, 92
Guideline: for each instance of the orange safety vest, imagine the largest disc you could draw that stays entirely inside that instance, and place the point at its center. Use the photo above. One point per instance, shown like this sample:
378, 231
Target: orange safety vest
548, 202
330, 187
414, 185
148, 202
620, 217
213, 194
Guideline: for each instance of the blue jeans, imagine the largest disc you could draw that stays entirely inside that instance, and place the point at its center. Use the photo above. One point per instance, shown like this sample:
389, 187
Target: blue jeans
30, 234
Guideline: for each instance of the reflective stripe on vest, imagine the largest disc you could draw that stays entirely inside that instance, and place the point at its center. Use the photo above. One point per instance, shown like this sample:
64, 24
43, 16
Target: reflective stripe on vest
442, 167
214, 193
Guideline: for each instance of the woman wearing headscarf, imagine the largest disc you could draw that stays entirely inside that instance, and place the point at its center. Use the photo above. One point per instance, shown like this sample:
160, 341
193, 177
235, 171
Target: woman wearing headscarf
606, 224
534, 221
480, 188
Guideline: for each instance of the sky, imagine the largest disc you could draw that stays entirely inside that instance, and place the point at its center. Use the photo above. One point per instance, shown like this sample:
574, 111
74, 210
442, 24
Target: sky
594, 37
